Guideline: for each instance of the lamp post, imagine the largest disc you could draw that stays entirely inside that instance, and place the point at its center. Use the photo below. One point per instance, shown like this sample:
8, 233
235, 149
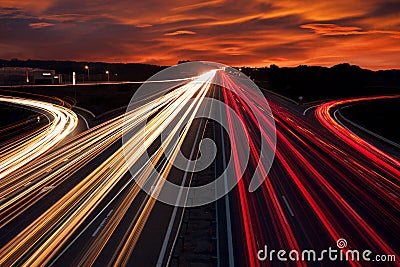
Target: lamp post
87, 68
74, 82
108, 75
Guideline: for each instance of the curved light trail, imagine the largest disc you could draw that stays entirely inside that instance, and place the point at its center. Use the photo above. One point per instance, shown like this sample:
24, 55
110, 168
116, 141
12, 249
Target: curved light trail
324, 115
62, 122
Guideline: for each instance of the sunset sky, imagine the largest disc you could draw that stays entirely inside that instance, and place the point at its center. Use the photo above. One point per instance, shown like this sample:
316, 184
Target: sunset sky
251, 33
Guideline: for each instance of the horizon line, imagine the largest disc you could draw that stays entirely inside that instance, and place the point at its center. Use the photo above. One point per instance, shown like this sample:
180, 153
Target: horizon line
242, 66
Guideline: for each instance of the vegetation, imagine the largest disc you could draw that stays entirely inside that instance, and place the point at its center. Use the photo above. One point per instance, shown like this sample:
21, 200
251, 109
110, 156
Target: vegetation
320, 83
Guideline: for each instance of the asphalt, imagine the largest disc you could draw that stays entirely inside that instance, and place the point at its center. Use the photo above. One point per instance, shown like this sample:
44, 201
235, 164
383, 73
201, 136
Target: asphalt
306, 224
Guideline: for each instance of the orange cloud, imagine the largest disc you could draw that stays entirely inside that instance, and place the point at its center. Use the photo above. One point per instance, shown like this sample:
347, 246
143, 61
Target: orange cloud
144, 25
40, 25
180, 32
254, 33
332, 29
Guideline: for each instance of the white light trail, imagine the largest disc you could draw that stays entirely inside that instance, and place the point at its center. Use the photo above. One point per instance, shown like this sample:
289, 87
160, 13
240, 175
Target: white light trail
62, 122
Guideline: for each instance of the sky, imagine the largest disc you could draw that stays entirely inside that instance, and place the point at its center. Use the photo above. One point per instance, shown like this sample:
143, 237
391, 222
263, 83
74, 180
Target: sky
237, 33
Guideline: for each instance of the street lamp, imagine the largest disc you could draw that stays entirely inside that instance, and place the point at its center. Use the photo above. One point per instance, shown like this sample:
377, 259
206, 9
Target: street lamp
74, 82
108, 75
87, 68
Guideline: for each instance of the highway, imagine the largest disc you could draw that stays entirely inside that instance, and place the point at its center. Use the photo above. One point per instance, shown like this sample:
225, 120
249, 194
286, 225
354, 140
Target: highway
42, 240
79, 205
325, 184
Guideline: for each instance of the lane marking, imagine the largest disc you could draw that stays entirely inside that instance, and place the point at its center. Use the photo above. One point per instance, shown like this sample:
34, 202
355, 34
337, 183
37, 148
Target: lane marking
360, 128
287, 205
103, 222
46, 188
86, 122
307, 109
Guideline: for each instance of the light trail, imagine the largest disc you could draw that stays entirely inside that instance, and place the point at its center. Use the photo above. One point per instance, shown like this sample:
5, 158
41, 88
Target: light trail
130, 241
63, 163
305, 176
39, 242
280, 224
382, 159
360, 225
62, 122
329, 184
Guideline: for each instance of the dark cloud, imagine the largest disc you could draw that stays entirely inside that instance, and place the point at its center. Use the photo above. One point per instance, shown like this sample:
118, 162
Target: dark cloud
386, 8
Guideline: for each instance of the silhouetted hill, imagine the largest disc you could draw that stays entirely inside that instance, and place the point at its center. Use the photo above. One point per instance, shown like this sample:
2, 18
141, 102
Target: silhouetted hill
316, 83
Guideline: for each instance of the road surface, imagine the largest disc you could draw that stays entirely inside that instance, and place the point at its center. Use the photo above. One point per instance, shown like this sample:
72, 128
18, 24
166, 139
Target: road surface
79, 205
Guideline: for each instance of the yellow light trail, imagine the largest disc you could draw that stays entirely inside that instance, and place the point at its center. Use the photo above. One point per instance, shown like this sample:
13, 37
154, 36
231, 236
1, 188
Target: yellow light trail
65, 161
62, 122
38, 243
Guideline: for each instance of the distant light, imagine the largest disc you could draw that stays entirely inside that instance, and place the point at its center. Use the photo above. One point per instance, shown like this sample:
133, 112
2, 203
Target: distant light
46, 74
86, 67
73, 78
107, 72
56, 77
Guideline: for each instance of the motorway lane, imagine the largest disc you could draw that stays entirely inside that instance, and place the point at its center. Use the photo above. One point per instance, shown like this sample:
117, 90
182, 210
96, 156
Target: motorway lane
151, 239
52, 170
317, 191
66, 216
322, 194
